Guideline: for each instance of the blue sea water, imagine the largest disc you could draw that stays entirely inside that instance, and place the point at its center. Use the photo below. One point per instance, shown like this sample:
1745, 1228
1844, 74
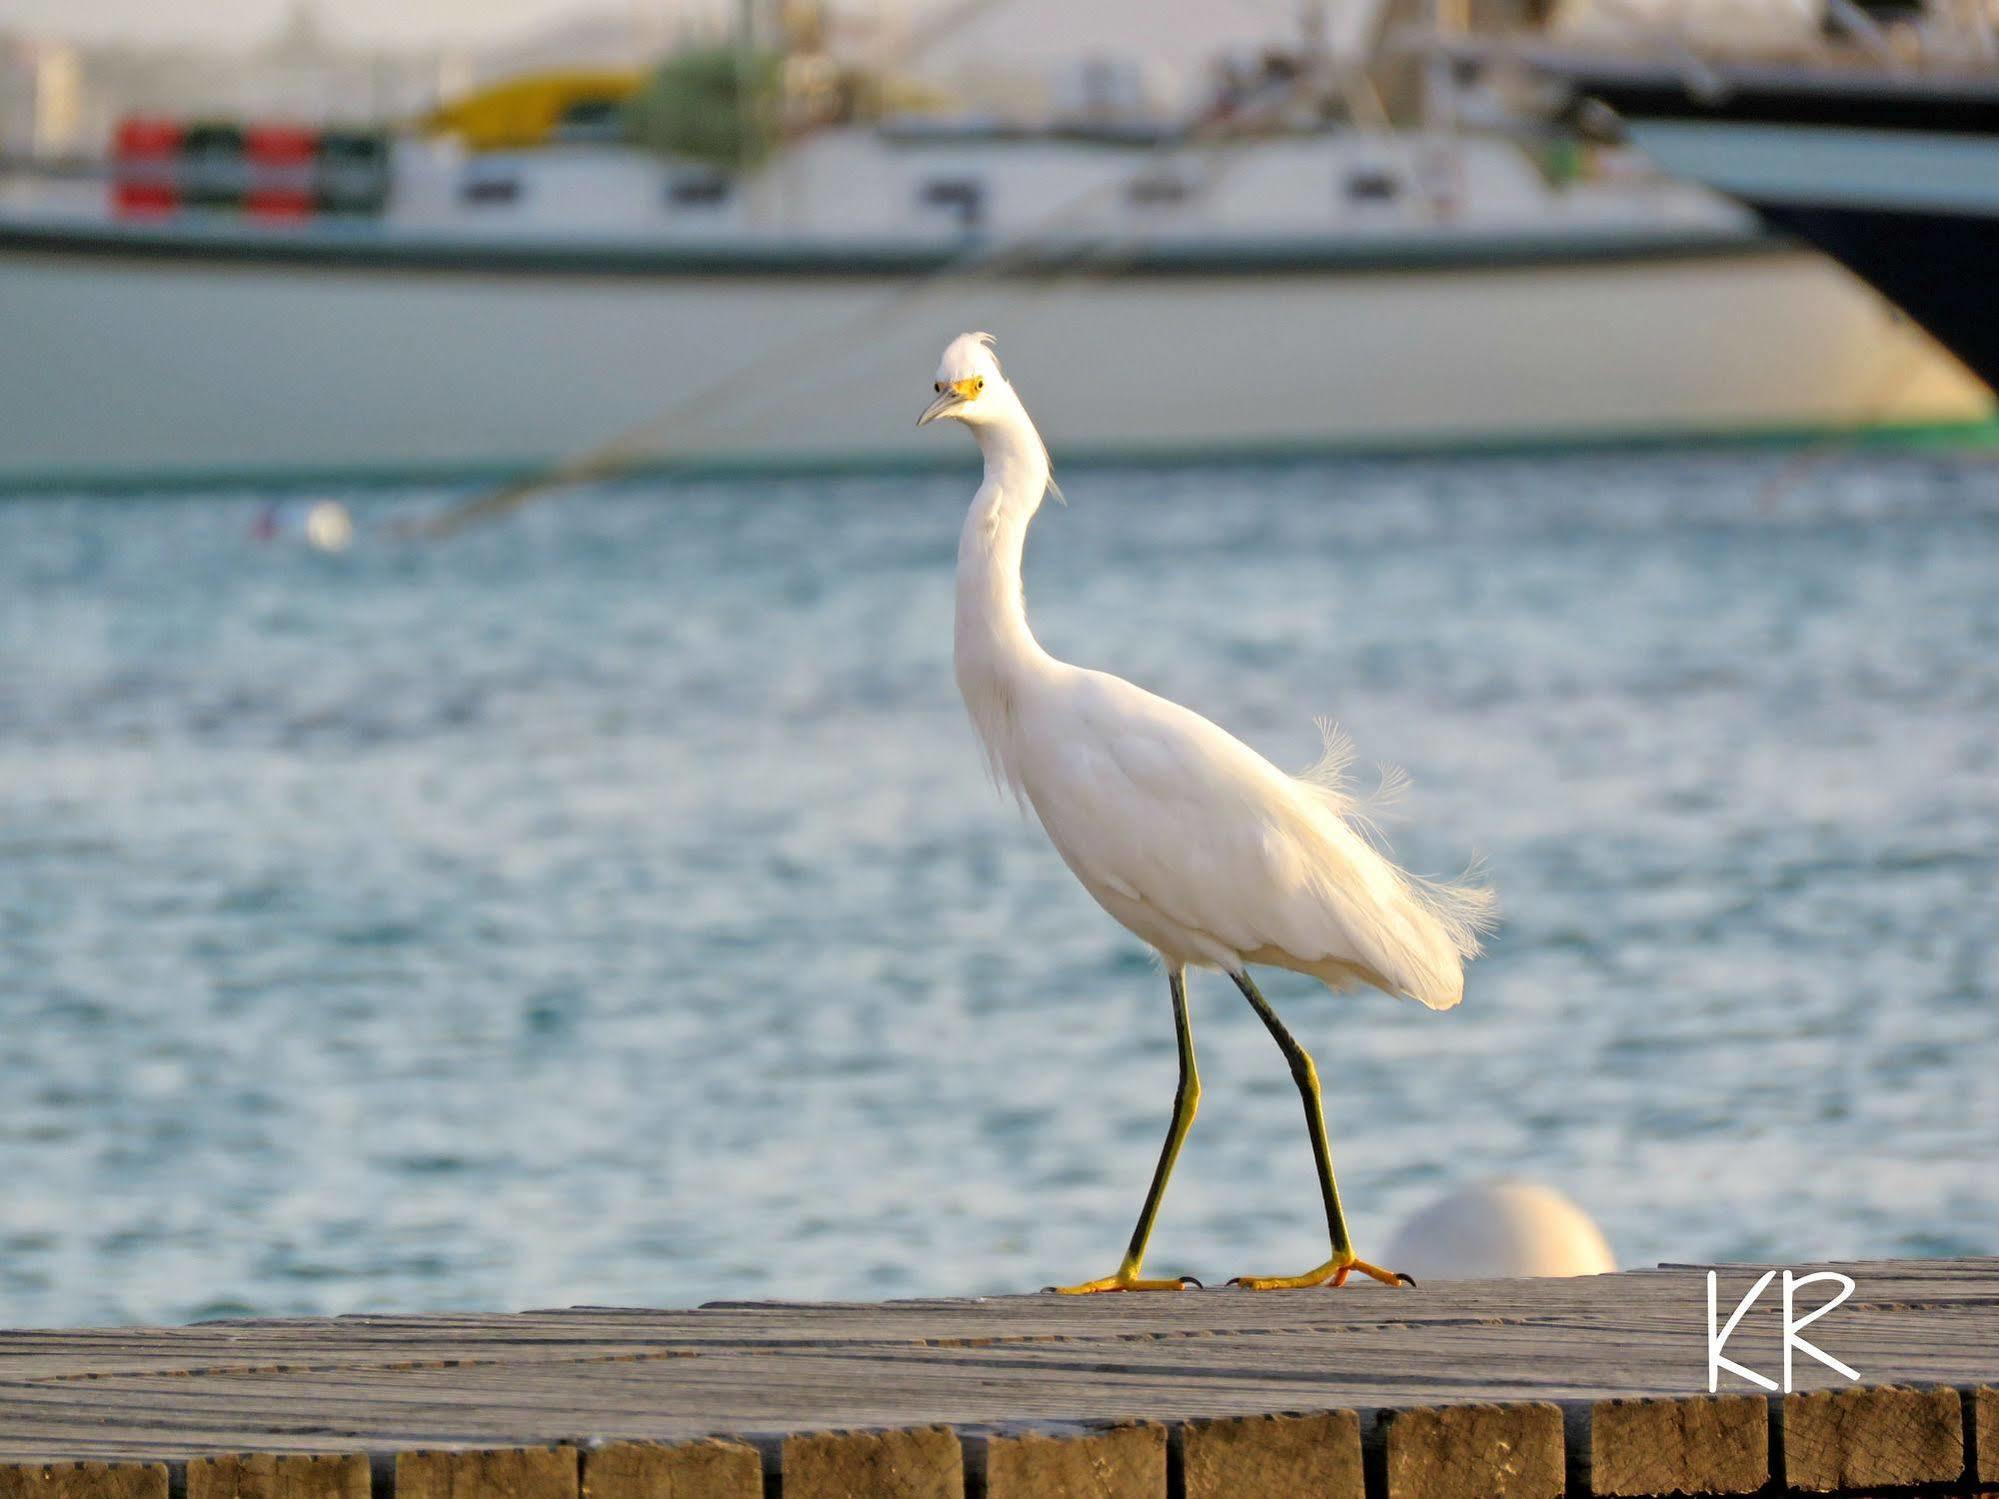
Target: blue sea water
608, 905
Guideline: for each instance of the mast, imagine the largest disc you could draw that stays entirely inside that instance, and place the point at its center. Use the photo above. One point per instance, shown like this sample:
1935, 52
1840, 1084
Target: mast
746, 69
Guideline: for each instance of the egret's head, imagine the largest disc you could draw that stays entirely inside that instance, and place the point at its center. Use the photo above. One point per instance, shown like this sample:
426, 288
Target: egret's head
969, 384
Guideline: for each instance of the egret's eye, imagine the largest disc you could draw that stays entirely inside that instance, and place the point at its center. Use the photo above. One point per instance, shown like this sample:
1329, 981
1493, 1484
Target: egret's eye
977, 384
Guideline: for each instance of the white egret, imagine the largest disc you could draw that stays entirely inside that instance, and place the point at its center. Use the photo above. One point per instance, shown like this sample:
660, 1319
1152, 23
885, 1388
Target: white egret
1201, 847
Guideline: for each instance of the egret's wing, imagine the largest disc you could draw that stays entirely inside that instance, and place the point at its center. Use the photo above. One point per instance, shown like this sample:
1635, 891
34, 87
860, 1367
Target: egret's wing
1148, 799
1151, 799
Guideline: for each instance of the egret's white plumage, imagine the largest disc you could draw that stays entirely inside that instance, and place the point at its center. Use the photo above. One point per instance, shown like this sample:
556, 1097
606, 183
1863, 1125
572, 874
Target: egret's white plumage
1196, 843
1190, 838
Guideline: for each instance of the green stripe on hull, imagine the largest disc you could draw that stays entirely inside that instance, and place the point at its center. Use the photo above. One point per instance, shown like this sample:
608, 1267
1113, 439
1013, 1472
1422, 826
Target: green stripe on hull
1979, 435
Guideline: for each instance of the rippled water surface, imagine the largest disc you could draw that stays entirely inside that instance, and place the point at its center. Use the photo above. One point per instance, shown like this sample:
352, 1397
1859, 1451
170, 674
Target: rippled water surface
608, 905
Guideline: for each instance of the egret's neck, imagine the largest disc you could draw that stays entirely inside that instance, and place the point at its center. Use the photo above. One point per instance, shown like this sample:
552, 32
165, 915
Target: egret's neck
995, 651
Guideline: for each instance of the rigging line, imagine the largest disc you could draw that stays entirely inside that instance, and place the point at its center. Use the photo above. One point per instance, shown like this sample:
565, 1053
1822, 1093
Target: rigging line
1086, 261
639, 443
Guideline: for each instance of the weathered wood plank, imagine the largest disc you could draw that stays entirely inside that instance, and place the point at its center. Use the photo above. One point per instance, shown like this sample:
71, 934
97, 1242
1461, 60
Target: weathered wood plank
1273, 1457
1474, 1452
87, 1480
1646, 1294
1656, 1299
1872, 1438
381, 1386
1697, 1445
1114, 1462
917, 1463
501, 1473
269, 1475
678, 1470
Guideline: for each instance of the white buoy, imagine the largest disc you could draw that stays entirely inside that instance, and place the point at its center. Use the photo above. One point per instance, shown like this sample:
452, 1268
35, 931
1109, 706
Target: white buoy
329, 527
1500, 1228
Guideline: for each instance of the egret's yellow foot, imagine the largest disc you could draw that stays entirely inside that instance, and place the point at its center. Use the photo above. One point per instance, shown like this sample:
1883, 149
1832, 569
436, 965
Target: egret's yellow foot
1333, 1273
1124, 1282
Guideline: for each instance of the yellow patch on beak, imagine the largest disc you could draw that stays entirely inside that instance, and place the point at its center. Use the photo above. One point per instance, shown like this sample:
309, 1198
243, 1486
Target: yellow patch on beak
951, 394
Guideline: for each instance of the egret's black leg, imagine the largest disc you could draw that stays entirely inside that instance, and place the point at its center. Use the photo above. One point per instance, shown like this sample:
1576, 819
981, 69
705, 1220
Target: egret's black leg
1306, 1076
1186, 1101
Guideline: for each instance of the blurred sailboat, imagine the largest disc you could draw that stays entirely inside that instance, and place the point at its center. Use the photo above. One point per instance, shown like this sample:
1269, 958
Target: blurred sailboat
1868, 129
509, 288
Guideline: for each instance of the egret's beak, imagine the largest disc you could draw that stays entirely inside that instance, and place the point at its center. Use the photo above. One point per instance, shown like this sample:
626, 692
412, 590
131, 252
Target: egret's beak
950, 397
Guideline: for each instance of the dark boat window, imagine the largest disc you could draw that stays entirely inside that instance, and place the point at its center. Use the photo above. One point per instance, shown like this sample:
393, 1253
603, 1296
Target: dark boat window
1372, 185
708, 190
213, 172
966, 195
489, 191
591, 122
1158, 189
351, 172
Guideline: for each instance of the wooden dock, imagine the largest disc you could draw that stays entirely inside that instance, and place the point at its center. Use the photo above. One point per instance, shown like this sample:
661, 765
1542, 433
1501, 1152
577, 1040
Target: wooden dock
1454, 1391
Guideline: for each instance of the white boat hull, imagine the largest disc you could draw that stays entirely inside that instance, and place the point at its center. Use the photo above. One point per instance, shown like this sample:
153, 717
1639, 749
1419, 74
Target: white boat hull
140, 368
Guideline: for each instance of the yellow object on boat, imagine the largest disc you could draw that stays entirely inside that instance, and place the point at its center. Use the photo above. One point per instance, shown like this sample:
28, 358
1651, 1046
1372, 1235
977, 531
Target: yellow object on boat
527, 111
